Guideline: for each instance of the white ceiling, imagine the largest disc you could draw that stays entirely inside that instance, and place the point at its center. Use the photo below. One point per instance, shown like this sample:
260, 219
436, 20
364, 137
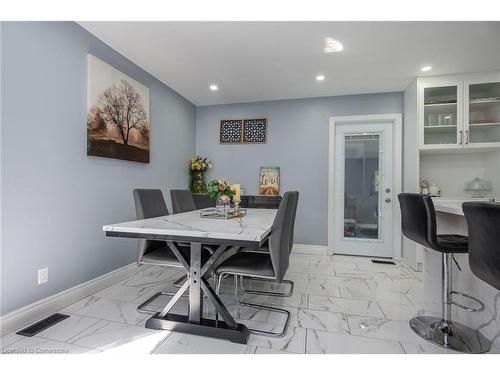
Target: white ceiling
256, 61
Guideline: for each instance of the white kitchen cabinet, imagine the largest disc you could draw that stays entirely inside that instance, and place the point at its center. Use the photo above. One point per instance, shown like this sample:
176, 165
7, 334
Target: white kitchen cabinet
462, 143
482, 111
458, 112
440, 113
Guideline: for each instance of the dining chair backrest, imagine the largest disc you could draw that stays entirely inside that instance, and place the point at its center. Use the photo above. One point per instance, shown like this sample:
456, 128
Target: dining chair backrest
279, 239
202, 201
148, 203
295, 202
483, 224
182, 201
418, 219
260, 201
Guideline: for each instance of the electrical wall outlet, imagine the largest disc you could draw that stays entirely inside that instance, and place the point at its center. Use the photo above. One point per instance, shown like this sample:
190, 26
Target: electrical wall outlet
43, 275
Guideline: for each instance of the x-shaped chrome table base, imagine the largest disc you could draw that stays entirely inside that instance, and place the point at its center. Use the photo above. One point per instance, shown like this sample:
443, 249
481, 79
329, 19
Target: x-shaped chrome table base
198, 285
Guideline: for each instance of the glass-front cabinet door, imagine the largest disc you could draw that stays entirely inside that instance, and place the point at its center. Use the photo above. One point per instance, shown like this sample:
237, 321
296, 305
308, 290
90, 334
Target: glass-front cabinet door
441, 116
482, 113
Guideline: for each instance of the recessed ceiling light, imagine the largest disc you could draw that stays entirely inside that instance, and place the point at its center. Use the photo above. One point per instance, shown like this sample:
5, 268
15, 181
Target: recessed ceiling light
320, 77
332, 45
214, 87
426, 68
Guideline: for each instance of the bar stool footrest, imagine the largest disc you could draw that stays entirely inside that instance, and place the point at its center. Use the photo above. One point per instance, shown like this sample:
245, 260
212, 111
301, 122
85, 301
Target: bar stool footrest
462, 306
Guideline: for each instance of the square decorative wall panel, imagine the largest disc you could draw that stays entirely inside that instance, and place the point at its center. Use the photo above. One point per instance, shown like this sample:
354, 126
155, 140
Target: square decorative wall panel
243, 131
255, 131
230, 131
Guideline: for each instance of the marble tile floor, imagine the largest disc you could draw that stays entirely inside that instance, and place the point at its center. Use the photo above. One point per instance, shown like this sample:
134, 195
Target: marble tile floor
341, 304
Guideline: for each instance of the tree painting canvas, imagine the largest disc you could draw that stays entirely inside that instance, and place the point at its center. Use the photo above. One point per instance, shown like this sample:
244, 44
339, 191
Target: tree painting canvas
117, 114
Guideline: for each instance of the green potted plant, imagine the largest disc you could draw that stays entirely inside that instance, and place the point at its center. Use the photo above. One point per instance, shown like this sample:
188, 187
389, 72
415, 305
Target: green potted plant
197, 168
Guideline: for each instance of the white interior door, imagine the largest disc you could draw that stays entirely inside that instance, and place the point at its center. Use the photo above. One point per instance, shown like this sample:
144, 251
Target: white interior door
363, 189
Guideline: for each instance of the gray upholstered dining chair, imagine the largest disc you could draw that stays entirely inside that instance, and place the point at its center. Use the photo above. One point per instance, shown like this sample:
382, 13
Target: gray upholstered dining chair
294, 200
182, 201
150, 203
262, 264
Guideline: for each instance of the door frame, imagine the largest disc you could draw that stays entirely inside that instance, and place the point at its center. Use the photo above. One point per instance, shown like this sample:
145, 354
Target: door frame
396, 120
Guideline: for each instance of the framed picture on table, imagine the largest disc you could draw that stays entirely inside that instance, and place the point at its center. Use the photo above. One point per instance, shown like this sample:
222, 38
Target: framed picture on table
269, 181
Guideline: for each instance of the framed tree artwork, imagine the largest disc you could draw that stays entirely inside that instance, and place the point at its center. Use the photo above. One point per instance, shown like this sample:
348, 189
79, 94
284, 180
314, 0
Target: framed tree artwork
118, 118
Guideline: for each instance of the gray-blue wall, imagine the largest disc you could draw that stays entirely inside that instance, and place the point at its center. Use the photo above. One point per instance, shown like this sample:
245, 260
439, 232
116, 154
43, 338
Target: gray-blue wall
55, 199
297, 143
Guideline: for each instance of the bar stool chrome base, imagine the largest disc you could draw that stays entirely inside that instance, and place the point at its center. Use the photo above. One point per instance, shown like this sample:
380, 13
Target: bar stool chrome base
450, 335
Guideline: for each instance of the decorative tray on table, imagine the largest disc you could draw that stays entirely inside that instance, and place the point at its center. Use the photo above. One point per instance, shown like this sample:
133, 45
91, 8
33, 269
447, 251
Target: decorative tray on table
231, 213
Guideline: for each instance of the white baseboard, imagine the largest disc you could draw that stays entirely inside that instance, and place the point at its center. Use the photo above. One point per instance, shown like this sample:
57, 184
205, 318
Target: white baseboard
29, 314
309, 249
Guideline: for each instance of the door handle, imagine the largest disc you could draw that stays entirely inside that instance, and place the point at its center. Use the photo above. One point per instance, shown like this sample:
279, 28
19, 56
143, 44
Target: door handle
466, 137
461, 137
388, 200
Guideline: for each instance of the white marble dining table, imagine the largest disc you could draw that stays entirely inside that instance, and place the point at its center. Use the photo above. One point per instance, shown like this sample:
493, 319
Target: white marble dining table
249, 231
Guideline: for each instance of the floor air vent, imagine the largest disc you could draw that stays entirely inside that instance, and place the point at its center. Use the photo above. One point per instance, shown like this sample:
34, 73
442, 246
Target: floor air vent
42, 325
378, 261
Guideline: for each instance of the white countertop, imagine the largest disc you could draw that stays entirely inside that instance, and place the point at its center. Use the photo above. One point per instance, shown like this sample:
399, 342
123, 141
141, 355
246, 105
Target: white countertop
454, 205
254, 226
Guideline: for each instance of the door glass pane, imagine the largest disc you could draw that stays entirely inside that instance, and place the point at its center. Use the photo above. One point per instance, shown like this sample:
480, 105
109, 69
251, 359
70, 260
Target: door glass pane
484, 113
440, 115
361, 186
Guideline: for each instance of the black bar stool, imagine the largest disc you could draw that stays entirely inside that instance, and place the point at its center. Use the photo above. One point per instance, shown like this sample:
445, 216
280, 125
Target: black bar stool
419, 225
483, 223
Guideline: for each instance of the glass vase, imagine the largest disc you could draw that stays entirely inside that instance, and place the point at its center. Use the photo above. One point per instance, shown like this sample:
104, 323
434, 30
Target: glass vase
198, 184
223, 203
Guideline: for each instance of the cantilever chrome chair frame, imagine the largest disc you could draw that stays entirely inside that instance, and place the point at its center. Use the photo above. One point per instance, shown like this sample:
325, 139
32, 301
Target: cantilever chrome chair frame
141, 308
282, 333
